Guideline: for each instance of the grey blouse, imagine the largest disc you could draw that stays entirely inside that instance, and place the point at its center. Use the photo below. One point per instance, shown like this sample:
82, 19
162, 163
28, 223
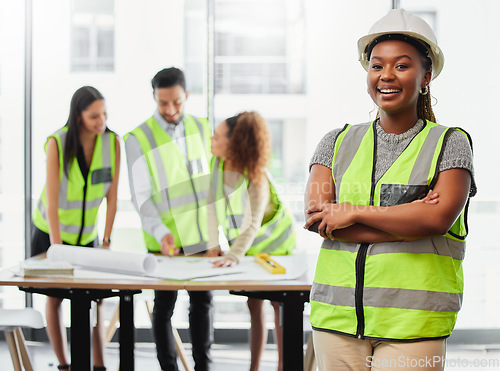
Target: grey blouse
457, 151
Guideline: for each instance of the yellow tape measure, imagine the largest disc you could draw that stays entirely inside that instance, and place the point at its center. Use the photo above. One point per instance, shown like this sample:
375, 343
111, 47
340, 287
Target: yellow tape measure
269, 264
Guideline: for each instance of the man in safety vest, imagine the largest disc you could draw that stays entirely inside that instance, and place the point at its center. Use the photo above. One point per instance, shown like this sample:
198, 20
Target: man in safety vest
168, 157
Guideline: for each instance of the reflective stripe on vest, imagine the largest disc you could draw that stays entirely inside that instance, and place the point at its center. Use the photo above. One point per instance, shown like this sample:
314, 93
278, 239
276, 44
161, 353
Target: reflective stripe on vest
276, 236
179, 184
390, 298
394, 290
71, 209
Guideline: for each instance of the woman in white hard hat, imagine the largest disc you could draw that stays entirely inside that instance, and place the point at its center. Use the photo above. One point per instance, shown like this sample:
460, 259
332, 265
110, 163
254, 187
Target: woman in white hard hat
390, 199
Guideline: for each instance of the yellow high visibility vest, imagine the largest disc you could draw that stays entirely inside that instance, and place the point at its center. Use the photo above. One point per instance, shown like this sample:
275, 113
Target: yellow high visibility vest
78, 206
396, 290
179, 185
276, 236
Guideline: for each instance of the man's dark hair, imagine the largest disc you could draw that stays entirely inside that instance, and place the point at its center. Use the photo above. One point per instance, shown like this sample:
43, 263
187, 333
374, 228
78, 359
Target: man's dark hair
169, 77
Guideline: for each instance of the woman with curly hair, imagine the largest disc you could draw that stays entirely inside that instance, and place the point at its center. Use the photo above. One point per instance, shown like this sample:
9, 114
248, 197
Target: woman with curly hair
243, 201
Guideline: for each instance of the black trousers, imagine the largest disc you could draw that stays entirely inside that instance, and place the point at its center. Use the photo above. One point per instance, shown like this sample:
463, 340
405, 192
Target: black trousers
40, 241
200, 327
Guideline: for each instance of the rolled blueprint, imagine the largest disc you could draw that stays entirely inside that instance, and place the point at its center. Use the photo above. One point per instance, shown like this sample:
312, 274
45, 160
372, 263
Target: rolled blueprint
103, 259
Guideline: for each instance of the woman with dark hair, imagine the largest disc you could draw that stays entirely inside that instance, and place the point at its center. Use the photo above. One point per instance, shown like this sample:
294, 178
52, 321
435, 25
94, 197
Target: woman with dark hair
243, 201
389, 281
83, 163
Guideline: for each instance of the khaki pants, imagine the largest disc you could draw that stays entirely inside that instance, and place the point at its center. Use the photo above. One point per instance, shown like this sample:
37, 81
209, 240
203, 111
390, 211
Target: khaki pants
338, 352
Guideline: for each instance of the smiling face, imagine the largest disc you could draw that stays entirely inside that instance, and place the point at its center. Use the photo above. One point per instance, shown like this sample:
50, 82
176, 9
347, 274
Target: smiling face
220, 141
93, 118
395, 77
170, 102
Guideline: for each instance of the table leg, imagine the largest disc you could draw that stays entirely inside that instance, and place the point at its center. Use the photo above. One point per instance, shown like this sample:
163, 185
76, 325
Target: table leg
293, 333
126, 333
81, 334
81, 329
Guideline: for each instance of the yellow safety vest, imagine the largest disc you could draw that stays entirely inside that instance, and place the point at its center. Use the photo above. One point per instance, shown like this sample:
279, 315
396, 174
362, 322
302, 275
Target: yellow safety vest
78, 205
397, 290
179, 185
276, 236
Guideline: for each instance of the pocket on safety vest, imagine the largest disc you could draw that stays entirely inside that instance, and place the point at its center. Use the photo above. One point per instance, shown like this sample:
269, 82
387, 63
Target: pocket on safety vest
397, 194
102, 176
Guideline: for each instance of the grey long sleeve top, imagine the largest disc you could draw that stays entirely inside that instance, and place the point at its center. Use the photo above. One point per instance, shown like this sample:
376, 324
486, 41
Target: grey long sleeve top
260, 209
457, 151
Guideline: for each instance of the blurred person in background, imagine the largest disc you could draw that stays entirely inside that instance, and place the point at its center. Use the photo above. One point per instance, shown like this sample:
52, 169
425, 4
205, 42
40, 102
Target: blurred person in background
244, 202
83, 164
169, 176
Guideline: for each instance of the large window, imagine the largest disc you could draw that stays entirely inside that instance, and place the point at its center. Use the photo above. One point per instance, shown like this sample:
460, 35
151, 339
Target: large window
256, 51
92, 35
195, 46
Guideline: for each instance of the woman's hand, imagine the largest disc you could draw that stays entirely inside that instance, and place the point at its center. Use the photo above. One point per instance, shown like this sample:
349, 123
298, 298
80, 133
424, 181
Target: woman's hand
212, 253
331, 217
224, 262
431, 198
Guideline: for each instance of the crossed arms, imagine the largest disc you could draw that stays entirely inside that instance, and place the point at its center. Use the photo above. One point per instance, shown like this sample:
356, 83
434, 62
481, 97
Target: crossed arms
432, 216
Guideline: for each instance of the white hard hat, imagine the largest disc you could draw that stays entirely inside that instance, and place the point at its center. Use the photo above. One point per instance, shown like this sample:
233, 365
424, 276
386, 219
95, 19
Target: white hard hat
400, 22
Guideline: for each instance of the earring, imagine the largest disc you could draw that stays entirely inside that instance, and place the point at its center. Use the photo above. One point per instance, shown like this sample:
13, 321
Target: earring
424, 90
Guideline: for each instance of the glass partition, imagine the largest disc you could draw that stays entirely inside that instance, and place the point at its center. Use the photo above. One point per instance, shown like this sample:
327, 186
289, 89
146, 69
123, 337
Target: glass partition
117, 47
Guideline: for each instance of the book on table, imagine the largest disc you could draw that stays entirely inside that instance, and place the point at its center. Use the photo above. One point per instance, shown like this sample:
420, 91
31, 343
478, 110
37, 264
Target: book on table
45, 267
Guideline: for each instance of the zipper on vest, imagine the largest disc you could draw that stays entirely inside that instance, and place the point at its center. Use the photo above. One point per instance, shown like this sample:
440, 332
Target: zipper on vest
372, 190
358, 293
83, 213
190, 169
361, 257
85, 171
